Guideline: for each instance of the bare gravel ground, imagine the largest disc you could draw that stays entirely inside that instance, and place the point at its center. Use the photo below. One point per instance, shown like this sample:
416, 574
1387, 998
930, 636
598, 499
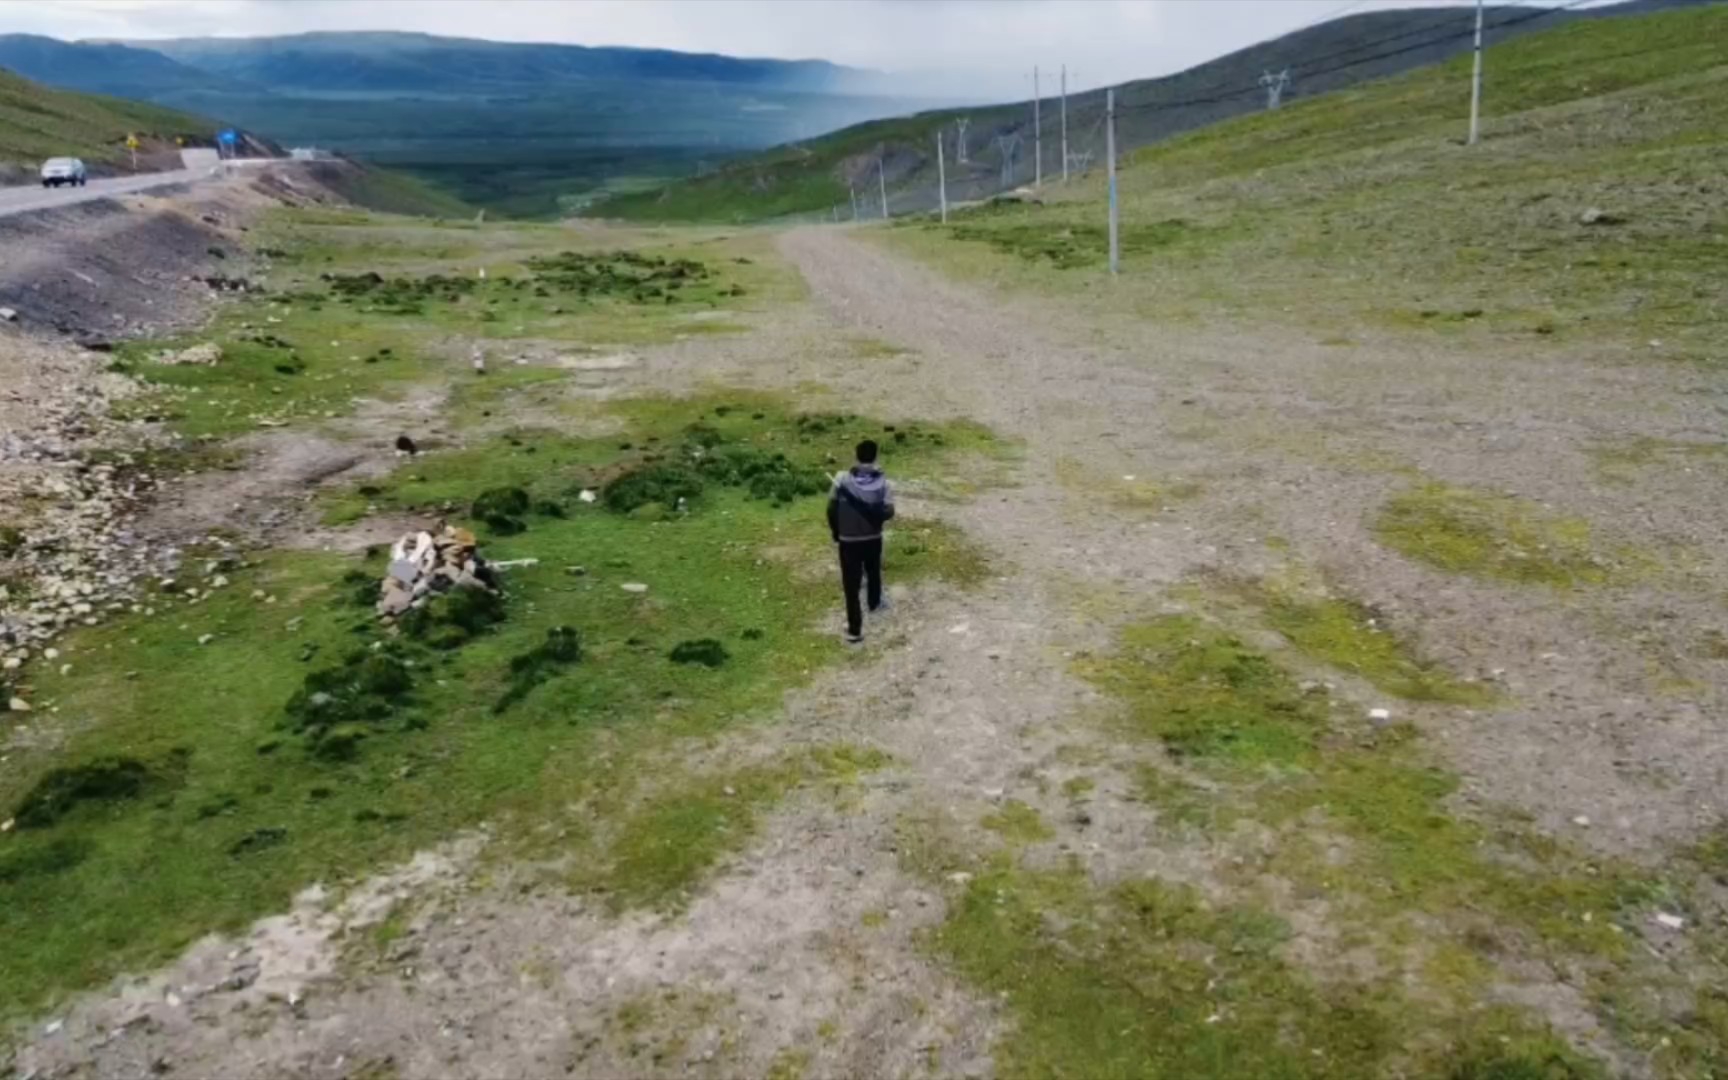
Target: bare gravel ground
806, 952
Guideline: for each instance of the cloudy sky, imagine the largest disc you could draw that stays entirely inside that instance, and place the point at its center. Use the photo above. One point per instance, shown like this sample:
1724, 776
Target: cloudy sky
989, 41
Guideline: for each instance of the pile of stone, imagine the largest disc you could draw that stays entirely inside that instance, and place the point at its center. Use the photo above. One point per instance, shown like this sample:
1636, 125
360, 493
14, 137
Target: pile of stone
426, 564
206, 355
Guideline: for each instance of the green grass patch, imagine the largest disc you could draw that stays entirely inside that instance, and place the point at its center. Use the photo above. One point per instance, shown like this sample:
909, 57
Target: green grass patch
1624, 461
1361, 817
1493, 536
1146, 980
664, 847
1279, 754
1018, 823
1348, 636
253, 784
365, 306
1058, 237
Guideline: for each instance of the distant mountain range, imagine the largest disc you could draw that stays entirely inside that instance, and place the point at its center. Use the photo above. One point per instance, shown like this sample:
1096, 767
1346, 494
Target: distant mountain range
392, 63
399, 63
513, 126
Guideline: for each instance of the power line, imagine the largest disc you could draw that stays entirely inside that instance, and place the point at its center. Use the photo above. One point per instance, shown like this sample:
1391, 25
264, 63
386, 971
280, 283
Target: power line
1214, 99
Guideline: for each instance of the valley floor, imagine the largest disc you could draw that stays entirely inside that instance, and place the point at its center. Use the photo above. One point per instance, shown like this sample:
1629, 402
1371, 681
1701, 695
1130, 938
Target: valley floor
1310, 710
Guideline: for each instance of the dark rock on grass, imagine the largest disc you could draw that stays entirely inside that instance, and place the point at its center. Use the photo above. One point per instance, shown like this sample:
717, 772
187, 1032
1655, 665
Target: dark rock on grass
335, 706
662, 484
258, 840
450, 620
55, 857
104, 780
705, 651
766, 475
502, 509
562, 647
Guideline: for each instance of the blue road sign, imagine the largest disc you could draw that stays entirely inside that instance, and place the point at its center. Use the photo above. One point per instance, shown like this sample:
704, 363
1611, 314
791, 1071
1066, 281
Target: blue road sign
227, 136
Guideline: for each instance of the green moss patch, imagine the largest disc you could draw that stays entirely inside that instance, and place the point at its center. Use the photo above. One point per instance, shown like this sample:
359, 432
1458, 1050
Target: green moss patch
1146, 980
102, 780
542, 663
1350, 637
665, 845
1018, 823
1492, 536
1362, 818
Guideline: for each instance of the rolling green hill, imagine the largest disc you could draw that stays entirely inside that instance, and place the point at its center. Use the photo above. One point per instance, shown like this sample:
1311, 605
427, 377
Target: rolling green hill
37, 122
1593, 212
814, 176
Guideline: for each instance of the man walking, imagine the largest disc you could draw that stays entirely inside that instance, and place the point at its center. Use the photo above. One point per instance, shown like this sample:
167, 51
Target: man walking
857, 508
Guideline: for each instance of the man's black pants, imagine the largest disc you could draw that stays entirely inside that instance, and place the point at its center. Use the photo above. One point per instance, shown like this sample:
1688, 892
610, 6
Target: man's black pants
860, 562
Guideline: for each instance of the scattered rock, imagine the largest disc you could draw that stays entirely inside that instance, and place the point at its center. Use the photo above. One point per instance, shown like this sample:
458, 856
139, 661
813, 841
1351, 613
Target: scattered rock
8, 315
18, 704
1672, 922
1597, 216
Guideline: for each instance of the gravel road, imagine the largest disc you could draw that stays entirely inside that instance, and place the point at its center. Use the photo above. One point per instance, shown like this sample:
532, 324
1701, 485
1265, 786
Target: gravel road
23, 200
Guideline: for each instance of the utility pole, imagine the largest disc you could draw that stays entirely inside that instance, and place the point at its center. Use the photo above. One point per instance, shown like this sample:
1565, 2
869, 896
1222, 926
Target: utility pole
1064, 123
1007, 144
1275, 85
1110, 156
882, 185
853, 190
960, 142
941, 176
1037, 135
1476, 79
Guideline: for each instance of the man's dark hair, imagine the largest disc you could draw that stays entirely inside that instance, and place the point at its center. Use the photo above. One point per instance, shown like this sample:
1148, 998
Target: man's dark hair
867, 452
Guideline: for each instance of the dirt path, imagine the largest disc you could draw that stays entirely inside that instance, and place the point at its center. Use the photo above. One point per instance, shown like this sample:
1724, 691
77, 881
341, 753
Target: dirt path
807, 949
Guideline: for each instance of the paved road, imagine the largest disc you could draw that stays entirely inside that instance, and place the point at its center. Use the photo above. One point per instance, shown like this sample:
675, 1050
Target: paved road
21, 200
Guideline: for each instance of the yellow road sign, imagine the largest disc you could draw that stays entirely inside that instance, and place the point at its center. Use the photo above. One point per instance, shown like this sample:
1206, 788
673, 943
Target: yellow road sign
131, 142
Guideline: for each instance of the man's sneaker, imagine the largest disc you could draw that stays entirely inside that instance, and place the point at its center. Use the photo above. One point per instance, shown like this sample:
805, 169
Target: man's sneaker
854, 639
885, 605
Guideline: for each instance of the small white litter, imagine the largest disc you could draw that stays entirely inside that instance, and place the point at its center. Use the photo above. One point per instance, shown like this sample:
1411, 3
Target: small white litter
1672, 922
1380, 714
586, 496
634, 587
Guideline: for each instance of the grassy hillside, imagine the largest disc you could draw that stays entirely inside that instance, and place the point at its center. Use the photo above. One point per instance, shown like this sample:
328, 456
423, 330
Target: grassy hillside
386, 190
813, 176
37, 122
1594, 201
